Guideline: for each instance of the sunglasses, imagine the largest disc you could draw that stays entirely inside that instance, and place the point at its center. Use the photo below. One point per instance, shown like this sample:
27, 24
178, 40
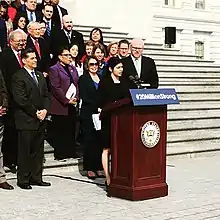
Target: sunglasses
93, 64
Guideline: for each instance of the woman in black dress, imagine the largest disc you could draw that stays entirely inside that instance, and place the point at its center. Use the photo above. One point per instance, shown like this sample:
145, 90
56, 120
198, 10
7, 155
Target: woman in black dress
88, 85
111, 88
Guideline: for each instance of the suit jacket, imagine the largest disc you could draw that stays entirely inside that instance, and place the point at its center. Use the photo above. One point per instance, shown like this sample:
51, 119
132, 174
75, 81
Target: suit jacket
44, 60
148, 71
3, 96
3, 35
56, 17
60, 39
3, 92
59, 83
9, 65
29, 97
89, 95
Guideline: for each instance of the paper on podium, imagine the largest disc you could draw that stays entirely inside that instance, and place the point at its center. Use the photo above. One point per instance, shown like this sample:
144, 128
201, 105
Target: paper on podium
71, 92
96, 122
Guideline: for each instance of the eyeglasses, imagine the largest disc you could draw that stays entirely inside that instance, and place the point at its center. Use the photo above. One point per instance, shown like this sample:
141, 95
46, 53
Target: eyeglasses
137, 48
93, 64
66, 55
121, 48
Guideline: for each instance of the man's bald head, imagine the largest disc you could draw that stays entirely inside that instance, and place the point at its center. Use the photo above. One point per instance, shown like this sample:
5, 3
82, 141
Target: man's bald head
67, 23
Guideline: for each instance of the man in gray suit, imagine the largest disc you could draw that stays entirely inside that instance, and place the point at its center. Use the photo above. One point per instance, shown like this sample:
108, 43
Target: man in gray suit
3, 107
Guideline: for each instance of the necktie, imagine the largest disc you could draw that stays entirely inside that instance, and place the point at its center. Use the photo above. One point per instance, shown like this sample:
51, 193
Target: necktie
31, 16
34, 77
69, 37
19, 59
36, 44
137, 67
48, 28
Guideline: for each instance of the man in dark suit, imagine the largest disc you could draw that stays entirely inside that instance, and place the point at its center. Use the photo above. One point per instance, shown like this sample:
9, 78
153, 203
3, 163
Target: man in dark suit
67, 37
31, 97
3, 34
3, 107
58, 13
10, 63
40, 46
140, 66
51, 26
30, 10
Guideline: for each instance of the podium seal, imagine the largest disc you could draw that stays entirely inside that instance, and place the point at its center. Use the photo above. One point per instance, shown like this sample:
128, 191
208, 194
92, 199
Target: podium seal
150, 134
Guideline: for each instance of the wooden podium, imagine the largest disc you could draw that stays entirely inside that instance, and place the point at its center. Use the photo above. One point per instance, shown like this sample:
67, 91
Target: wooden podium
138, 172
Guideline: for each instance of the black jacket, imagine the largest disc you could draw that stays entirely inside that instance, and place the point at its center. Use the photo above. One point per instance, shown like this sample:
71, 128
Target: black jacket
29, 97
148, 71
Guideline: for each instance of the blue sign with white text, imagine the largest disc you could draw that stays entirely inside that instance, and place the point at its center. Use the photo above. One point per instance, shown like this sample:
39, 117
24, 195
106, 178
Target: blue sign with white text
142, 97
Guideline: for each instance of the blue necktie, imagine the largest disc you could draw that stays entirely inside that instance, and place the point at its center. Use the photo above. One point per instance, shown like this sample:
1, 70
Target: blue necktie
48, 28
31, 16
34, 77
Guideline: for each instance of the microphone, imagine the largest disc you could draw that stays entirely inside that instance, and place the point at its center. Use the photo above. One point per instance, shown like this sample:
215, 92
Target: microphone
136, 81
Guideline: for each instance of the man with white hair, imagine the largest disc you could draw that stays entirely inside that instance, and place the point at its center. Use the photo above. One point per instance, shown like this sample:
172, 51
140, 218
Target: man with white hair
10, 63
67, 37
40, 46
140, 66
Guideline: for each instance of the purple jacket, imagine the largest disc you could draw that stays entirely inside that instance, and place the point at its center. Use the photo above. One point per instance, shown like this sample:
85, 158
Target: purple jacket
60, 82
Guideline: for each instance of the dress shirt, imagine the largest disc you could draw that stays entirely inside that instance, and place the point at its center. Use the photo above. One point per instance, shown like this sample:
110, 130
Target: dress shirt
69, 35
29, 15
16, 55
30, 73
137, 64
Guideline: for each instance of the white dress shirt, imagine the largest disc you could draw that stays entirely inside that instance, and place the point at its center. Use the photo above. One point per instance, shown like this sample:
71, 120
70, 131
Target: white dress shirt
29, 15
137, 64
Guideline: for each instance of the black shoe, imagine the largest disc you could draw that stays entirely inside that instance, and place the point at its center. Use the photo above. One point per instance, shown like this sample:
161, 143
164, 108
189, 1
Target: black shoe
24, 186
6, 186
11, 167
42, 183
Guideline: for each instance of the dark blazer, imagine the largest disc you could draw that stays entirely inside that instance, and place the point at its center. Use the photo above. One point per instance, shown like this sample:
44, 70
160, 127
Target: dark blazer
148, 71
3, 92
8, 65
44, 61
56, 17
60, 39
89, 96
59, 84
3, 34
29, 97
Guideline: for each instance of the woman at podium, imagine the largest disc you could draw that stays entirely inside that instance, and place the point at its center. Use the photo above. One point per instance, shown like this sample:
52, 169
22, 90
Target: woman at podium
111, 88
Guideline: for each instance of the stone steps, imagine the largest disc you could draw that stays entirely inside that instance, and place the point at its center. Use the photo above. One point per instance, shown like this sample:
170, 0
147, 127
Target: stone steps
190, 68
193, 97
193, 124
182, 114
192, 135
184, 63
194, 88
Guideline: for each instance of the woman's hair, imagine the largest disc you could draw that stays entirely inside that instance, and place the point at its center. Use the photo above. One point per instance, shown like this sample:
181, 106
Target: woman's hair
110, 45
99, 46
90, 43
95, 30
113, 61
16, 19
77, 60
86, 62
61, 49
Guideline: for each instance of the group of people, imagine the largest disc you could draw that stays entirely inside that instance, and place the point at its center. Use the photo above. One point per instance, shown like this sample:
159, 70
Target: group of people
43, 59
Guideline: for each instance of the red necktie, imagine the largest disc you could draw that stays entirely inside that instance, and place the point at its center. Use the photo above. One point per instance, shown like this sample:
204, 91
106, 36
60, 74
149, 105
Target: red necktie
19, 59
36, 44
